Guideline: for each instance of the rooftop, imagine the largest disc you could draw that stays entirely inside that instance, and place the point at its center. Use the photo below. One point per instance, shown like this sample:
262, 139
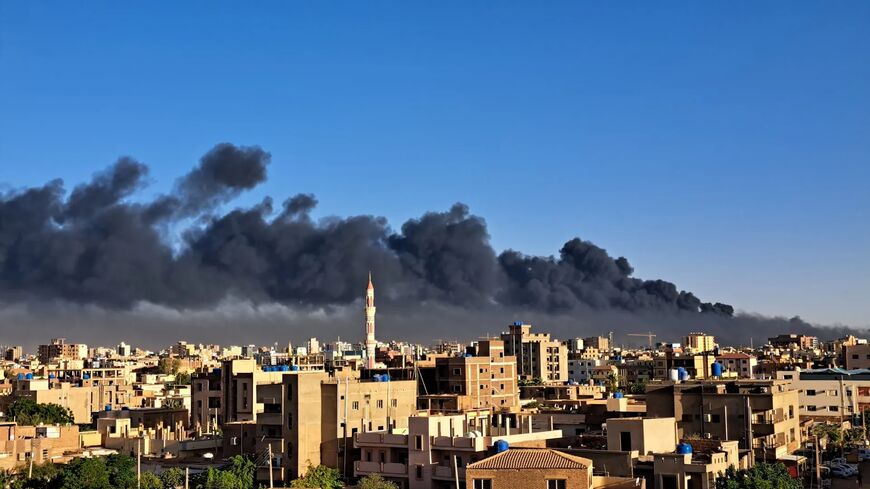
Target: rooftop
530, 458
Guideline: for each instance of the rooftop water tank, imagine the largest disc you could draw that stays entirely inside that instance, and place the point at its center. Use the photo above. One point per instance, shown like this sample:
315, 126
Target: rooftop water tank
716, 368
518, 323
684, 449
20, 376
501, 446
674, 375
108, 407
618, 395
684, 374
385, 377
285, 368
29, 376
294, 368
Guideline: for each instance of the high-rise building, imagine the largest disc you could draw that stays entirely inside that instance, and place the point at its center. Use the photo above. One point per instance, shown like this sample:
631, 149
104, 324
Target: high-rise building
370, 324
700, 342
538, 356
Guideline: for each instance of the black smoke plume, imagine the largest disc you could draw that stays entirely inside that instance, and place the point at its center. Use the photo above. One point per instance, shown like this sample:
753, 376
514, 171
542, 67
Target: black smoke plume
99, 248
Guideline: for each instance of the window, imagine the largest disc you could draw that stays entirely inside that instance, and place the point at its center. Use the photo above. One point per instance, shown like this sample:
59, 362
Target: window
355, 405
486, 484
854, 357
456, 371
380, 403
290, 421
290, 392
834, 408
419, 473
811, 408
811, 392
418, 442
556, 484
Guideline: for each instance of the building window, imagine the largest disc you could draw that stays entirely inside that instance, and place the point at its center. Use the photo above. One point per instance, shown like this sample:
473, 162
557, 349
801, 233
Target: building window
418, 442
290, 392
290, 421
380, 403
556, 484
457, 371
419, 473
355, 405
811, 392
394, 402
485, 484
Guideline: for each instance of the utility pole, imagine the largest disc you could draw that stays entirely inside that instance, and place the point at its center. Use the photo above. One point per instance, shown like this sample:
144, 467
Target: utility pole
139, 464
186, 477
271, 478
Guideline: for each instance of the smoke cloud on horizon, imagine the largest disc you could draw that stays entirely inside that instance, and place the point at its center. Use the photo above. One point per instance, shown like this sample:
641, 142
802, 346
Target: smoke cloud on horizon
98, 264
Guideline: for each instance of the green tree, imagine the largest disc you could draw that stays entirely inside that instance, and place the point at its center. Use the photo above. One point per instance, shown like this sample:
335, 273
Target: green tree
375, 481
122, 471
760, 476
243, 469
28, 412
150, 481
182, 378
168, 365
638, 387
321, 477
85, 473
172, 478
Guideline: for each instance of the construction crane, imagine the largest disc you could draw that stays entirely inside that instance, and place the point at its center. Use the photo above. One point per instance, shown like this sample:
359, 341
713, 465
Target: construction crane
649, 335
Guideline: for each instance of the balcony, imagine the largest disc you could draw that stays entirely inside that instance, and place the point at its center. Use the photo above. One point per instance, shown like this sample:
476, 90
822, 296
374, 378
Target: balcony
387, 469
457, 443
446, 472
380, 439
270, 419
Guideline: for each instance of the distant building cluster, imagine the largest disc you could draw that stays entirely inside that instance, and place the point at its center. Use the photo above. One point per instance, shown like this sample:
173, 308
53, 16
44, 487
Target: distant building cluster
520, 409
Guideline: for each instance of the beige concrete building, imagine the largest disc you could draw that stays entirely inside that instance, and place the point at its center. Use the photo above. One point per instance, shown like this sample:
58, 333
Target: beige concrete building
699, 469
740, 365
856, 356
59, 349
699, 342
536, 354
487, 380
732, 410
644, 435
532, 469
83, 401
424, 457
829, 394
306, 417
43, 443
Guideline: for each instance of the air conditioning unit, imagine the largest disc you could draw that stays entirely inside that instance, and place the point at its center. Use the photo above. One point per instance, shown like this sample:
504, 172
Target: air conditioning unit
234, 441
707, 436
708, 418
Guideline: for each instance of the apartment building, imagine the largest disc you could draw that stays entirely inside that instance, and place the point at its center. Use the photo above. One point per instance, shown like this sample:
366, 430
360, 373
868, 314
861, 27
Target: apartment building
18, 444
305, 417
485, 378
59, 349
580, 369
740, 365
436, 449
732, 410
537, 355
856, 356
82, 400
600, 343
830, 394
699, 342
697, 366
206, 410
794, 341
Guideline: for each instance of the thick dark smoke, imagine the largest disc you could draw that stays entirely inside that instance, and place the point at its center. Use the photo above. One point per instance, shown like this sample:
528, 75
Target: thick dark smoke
97, 248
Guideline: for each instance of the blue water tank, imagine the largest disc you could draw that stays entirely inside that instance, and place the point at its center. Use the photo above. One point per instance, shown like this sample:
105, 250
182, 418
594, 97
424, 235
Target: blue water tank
50, 376
684, 375
385, 377
501, 446
618, 395
518, 323
294, 368
108, 407
20, 376
376, 378
684, 449
29, 376
716, 368
86, 376
285, 368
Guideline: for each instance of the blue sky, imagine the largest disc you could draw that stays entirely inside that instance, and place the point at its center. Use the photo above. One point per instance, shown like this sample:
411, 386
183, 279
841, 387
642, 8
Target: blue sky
724, 146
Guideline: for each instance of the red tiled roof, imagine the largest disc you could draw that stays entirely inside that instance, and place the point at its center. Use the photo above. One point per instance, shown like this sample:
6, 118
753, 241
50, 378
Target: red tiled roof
530, 458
